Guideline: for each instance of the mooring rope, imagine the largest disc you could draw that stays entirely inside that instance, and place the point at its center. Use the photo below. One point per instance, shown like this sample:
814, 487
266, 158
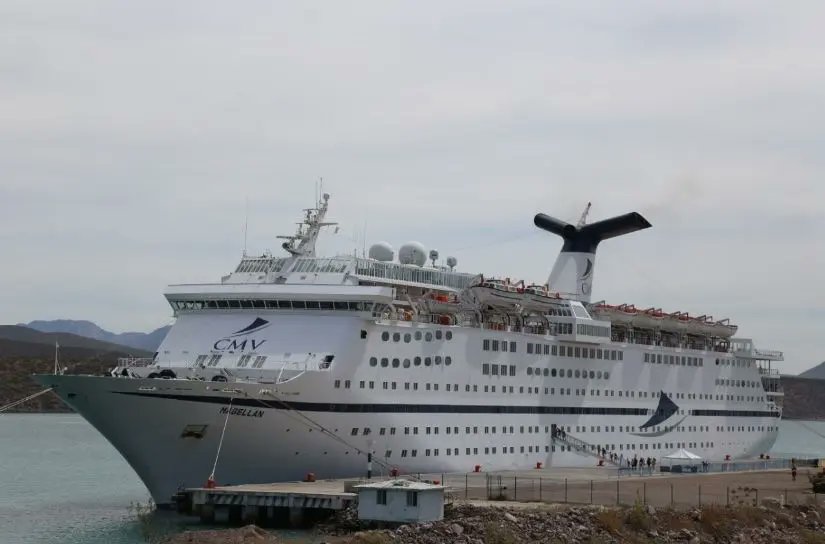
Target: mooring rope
220, 442
11, 405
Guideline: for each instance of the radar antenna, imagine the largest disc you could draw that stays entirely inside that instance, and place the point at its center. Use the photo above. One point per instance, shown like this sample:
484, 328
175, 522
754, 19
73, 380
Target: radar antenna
583, 220
302, 243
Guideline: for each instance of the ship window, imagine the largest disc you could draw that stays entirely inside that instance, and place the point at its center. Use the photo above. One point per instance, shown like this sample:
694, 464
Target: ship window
569, 373
428, 337
299, 304
495, 345
512, 347
546, 372
448, 360
407, 338
553, 372
406, 363
385, 362
577, 374
485, 369
512, 370
395, 363
327, 305
529, 347
396, 337
427, 361
503, 346
373, 361
554, 350
244, 360
486, 344
578, 352
438, 335
259, 361
438, 359
448, 335
213, 361
417, 361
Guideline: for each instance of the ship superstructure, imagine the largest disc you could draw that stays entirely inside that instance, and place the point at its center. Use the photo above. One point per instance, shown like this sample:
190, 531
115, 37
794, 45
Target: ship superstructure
314, 364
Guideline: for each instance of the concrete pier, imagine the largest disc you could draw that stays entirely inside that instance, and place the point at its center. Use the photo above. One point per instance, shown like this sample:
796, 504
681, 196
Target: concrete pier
278, 504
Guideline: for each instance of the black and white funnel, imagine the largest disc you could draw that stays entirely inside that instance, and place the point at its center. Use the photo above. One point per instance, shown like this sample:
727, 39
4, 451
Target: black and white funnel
572, 273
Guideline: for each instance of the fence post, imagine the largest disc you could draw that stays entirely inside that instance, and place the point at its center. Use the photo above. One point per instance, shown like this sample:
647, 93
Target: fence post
671, 495
591, 491
515, 488
617, 491
540, 499
727, 496
757, 497
466, 485
700, 494
565, 490
644, 493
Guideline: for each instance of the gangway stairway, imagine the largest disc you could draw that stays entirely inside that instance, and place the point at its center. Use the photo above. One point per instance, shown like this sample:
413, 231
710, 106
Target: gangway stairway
580, 446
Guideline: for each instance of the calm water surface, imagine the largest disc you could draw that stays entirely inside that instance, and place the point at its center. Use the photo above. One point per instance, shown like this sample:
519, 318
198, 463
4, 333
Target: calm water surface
62, 483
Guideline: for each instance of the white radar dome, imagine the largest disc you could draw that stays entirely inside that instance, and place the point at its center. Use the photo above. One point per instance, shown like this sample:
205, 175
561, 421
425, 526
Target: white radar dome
452, 262
412, 253
382, 251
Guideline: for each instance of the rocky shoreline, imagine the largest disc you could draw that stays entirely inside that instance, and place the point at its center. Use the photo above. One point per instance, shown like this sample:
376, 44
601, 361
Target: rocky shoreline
466, 523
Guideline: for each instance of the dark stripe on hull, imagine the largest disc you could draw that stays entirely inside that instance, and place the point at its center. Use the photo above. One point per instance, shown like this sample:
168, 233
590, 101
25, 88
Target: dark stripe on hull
426, 408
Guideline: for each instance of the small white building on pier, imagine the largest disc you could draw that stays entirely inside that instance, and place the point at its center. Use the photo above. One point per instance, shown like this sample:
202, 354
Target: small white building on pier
402, 501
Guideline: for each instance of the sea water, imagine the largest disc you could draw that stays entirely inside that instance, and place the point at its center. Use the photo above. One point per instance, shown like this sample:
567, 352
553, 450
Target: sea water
62, 483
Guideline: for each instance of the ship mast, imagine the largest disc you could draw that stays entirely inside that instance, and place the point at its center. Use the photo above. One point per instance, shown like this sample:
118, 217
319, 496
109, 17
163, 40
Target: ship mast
302, 243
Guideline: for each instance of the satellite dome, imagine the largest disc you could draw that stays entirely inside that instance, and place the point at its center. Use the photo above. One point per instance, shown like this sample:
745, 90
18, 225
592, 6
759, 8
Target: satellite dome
412, 253
382, 251
433, 256
452, 262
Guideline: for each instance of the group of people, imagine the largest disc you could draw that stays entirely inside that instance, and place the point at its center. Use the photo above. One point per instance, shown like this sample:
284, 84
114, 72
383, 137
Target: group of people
640, 463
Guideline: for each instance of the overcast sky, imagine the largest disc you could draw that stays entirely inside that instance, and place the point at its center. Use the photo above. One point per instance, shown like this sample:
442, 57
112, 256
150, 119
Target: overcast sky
133, 133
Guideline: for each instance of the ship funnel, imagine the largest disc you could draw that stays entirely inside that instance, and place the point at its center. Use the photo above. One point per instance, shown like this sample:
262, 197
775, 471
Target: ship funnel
572, 273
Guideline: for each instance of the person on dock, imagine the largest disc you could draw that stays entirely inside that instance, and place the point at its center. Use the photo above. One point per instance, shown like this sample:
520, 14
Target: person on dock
793, 471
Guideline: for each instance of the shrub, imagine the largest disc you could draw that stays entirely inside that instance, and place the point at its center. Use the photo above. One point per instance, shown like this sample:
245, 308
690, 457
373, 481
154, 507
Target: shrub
497, 534
610, 521
637, 518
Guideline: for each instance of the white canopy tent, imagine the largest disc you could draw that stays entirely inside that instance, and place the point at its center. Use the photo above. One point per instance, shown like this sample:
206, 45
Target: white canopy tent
681, 457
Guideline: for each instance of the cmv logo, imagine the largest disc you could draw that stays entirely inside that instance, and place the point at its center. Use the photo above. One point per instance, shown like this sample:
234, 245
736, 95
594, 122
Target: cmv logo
235, 342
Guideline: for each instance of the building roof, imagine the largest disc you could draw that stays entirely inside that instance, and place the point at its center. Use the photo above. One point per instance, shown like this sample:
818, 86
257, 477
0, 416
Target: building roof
406, 485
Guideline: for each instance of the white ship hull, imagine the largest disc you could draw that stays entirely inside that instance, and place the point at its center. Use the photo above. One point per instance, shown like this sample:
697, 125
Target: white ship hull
275, 432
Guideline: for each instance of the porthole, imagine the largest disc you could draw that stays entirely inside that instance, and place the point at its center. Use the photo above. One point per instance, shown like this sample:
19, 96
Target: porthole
569, 373
592, 374
428, 337
438, 359
396, 363
418, 335
607, 375
407, 338
406, 363
448, 335
577, 374
546, 372
428, 361
396, 337
448, 360
373, 361
385, 362
417, 361
599, 374
385, 336
553, 372
438, 335
529, 371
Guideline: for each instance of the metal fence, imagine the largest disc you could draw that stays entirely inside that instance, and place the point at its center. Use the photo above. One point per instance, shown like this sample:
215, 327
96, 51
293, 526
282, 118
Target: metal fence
660, 491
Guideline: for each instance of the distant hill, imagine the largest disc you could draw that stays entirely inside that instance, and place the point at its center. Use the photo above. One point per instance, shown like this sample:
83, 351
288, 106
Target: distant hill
140, 340
25, 351
803, 398
816, 372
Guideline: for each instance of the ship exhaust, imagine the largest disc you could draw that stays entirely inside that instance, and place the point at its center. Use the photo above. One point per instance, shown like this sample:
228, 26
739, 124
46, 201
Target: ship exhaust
572, 272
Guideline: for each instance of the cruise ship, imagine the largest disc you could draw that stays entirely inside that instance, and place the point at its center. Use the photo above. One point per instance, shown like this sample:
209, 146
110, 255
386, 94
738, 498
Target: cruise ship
383, 364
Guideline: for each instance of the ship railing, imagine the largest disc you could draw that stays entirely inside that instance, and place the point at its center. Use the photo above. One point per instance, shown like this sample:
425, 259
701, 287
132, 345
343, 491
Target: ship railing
769, 372
134, 362
768, 353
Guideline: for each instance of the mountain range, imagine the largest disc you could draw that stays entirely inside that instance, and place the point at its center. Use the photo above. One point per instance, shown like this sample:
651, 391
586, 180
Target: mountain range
817, 372
138, 340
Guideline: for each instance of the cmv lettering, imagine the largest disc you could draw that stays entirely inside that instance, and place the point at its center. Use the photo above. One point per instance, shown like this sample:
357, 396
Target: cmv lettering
237, 345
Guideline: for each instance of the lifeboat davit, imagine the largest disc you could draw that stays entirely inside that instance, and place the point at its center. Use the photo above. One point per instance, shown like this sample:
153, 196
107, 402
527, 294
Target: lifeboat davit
442, 304
539, 298
498, 293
